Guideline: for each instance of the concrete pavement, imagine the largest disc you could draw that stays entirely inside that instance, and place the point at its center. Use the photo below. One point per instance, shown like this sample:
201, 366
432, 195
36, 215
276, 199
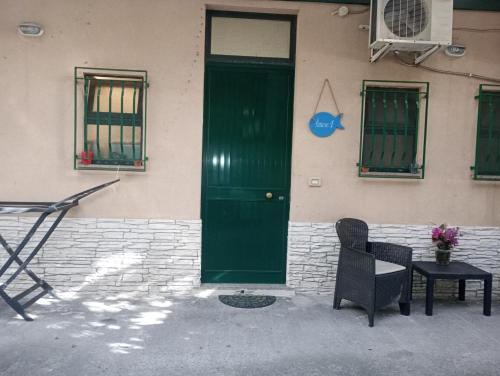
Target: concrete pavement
298, 335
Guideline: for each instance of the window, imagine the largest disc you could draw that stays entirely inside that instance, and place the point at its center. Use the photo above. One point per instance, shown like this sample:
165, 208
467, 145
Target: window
250, 37
487, 166
240, 36
393, 128
110, 119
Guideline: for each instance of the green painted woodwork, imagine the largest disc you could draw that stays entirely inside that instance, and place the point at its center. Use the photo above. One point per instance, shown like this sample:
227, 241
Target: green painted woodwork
390, 129
85, 113
493, 5
118, 131
134, 121
487, 166
246, 154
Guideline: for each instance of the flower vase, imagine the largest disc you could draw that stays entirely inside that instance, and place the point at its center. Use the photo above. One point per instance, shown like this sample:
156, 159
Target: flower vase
443, 256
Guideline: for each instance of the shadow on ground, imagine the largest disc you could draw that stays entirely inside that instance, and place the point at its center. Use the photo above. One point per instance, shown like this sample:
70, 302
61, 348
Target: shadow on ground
122, 335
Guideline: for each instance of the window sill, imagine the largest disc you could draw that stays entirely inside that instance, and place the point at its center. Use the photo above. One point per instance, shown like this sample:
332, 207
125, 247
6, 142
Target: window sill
137, 167
392, 175
487, 177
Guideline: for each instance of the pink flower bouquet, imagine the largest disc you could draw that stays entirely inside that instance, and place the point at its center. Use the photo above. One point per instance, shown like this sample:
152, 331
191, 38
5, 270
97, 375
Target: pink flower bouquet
445, 237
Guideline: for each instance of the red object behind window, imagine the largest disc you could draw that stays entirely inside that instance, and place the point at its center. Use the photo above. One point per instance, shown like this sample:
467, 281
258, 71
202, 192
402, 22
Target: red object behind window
86, 157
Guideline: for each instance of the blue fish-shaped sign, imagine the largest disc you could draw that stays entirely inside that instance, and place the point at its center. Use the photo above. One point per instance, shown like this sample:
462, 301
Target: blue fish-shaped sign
323, 124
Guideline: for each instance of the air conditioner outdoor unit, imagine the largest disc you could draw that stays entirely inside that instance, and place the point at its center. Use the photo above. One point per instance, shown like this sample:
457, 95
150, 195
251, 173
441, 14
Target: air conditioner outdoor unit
421, 26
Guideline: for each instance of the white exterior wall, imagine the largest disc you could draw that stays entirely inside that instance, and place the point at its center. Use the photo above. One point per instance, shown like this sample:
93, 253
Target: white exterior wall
313, 251
150, 257
109, 256
152, 244
167, 39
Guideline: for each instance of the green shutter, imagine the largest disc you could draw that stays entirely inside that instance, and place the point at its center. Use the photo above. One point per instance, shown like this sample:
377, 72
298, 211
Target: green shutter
487, 166
390, 129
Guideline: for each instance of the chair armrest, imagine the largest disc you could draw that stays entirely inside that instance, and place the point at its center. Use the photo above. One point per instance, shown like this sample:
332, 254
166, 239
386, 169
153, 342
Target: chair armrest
354, 262
356, 277
395, 253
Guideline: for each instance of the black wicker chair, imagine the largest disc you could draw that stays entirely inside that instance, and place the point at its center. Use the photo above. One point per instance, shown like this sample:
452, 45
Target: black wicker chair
371, 274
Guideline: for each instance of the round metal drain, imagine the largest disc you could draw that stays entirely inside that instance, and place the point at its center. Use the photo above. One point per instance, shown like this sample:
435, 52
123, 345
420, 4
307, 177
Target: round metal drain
247, 301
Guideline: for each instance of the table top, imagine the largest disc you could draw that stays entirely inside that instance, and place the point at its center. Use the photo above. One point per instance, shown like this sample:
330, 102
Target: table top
456, 269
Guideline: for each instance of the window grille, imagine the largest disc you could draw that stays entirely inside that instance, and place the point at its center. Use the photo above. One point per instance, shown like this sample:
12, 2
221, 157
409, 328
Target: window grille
393, 129
110, 119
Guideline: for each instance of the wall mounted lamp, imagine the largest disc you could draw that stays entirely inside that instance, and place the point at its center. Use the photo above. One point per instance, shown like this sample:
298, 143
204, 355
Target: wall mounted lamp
30, 29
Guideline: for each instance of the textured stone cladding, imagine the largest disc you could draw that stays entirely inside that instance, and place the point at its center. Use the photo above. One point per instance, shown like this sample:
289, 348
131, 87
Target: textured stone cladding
141, 256
113, 255
313, 250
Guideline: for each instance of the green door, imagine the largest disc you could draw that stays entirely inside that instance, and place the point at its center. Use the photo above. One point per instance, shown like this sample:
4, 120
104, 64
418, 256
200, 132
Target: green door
246, 172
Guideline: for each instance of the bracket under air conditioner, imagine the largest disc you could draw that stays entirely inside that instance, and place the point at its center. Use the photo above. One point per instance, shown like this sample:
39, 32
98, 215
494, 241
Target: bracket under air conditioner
419, 57
424, 55
380, 53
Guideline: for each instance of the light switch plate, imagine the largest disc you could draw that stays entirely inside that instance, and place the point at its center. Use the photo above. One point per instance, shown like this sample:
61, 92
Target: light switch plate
314, 182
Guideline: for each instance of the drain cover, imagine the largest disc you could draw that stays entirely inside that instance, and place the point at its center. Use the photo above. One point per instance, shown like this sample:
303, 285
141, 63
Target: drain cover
247, 301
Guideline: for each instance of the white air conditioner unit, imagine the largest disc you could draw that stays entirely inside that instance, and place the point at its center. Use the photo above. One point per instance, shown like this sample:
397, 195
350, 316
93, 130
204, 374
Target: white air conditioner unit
422, 26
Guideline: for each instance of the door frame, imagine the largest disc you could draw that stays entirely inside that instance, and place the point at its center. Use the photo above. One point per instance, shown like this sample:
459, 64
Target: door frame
249, 61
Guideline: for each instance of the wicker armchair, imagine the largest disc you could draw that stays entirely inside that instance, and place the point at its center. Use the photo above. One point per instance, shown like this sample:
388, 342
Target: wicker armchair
371, 274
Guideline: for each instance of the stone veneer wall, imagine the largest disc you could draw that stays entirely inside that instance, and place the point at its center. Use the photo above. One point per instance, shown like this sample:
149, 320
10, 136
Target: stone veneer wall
109, 256
313, 250
148, 257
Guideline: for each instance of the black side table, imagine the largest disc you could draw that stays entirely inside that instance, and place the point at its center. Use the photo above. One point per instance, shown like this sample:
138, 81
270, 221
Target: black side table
455, 270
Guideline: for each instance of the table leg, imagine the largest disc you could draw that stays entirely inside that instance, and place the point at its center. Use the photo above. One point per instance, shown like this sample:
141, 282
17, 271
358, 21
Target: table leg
487, 297
461, 289
411, 284
429, 296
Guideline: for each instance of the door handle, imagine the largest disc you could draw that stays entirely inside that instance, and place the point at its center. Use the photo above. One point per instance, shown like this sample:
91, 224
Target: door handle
269, 195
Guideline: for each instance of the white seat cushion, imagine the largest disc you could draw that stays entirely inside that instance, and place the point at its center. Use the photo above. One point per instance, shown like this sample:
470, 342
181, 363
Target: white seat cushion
384, 267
